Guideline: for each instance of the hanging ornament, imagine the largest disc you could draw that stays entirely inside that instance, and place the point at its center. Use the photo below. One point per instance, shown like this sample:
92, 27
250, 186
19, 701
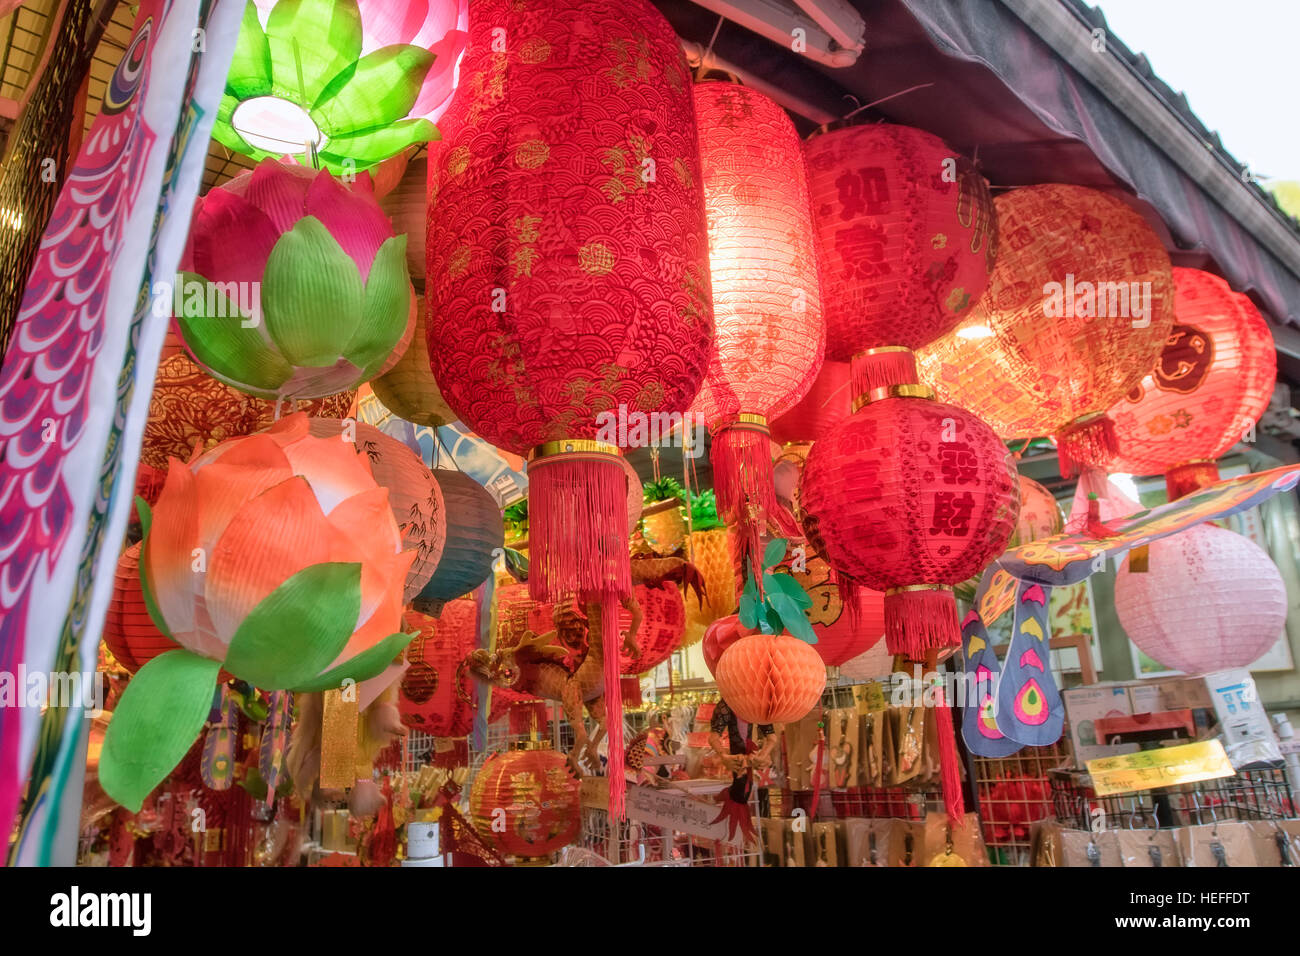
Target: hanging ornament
825, 405
340, 83
129, 632
539, 797
568, 283
1040, 515
1210, 599
474, 533
435, 692
1078, 306
767, 309
663, 622
770, 678
1213, 380
321, 299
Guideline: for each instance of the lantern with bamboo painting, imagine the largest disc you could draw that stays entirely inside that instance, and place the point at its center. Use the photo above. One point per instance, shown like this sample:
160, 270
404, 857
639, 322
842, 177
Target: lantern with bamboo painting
1079, 305
769, 330
1212, 381
474, 532
568, 269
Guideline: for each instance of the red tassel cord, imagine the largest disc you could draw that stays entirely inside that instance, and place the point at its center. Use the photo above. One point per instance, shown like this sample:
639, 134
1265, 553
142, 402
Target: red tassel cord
611, 642
949, 762
745, 485
881, 368
1087, 441
918, 621
1182, 480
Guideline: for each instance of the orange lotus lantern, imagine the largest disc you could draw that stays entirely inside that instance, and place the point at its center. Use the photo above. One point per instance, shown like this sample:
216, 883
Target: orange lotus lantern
1078, 306
1211, 383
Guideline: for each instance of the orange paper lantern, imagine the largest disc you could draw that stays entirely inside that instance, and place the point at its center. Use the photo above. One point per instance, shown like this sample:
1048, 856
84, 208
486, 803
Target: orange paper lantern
538, 795
770, 678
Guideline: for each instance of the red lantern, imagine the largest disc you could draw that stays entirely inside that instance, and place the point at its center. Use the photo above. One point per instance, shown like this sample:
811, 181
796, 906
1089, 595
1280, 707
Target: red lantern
1211, 383
770, 678
907, 236
129, 632
718, 636
538, 795
825, 406
766, 301
568, 280
843, 632
1077, 309
663, 623
434, 695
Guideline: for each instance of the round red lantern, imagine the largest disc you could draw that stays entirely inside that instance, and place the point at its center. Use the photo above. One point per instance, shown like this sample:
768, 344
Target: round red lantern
434, 695
1210, 599
538, 795
770, 678
663, 623
568, 281
1078, 306
1213, 380
129, 631
718, 636
825, 406
907, 236
474, 531
843, 632
767, 313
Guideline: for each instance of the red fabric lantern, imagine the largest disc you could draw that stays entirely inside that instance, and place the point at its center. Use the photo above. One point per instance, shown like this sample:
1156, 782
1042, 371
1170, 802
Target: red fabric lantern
538, 794
129, 632
1211, 383
568, 269
770, 678
824, 407
435, 693
843, 632
718, 636
767, 310
907, 236
1078, 307
663, 623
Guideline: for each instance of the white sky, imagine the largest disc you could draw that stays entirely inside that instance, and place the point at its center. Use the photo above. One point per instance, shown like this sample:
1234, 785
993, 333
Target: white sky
1237, 61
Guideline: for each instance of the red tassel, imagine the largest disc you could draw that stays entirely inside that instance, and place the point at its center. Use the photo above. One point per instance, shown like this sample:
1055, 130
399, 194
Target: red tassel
746, 490
1088, 441
920, 621
1182, 480
611, 643
881, 368
949, 763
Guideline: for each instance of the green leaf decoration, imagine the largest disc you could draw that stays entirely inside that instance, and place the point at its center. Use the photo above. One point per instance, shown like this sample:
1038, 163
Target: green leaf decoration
369, 663
311, 42
158, 718
516, 564
376, 91
250, 68
749, 604
662, 490
312, 296
299, 628
704, 512
774, 553
386, 307
150, 603
787, 585
770, 622
224, 341
792, 616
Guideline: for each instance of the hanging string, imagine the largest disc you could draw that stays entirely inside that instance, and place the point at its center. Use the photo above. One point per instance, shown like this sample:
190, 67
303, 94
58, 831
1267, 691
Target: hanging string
886, 99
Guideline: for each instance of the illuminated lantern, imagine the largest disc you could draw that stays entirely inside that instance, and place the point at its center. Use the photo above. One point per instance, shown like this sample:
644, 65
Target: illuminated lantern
474, 531
321, 301
342, 83
907, 236
1040, 515
825, 406
1212, 381
1078, 307
414, 497
568, 271
434, 695
767, 313
539, 795
770, 678
1211, 599
663, 622
129, 632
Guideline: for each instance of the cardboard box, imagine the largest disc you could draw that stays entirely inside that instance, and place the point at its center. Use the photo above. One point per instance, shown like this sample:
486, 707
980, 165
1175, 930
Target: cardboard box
1243, 724
1083, 705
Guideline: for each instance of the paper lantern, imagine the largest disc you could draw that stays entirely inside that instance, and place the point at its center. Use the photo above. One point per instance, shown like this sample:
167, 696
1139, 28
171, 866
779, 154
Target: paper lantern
414, 496
341, 83
538, 795
568, 283
189, 408
434, 695
825, 405
474, 531
1211, 599
294, 284
710, 551
274, 555
129, 632
663, 622
770, 678
842, 632
910, 497
1078, 307
1040, 515
1213, 380
907, 236
767, 312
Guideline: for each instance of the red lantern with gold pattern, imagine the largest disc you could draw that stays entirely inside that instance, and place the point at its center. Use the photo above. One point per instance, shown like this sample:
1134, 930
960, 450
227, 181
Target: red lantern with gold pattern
1213, 380
663, 623
435, 692
536, 792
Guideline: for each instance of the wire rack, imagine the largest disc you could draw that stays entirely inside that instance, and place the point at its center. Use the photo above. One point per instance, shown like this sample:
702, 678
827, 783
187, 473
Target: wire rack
1014, 792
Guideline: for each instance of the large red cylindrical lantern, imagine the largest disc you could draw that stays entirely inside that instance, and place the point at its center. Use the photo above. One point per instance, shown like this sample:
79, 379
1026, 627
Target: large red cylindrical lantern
434, 695
1078, 307
538, 795
1211, 383
568, 274
825, 406
767, 311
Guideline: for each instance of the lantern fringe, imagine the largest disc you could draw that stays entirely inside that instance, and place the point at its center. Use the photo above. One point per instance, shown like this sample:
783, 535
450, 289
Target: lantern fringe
577, 523
919, 621
871, 371
745, 485
1182, 480
1086, 443
611, 644
949, 765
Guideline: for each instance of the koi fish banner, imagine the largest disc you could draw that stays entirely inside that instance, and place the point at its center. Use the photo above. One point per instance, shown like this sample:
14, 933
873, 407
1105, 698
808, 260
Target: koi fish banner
1015, 703
75, 388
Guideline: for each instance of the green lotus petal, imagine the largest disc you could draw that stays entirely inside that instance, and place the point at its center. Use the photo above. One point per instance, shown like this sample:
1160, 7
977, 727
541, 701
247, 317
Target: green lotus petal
376, 91
157, 720
387, 306
250, 68
371, 147
234, 353
298, 629
311, 42
150, 602
369, 663
312, 296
